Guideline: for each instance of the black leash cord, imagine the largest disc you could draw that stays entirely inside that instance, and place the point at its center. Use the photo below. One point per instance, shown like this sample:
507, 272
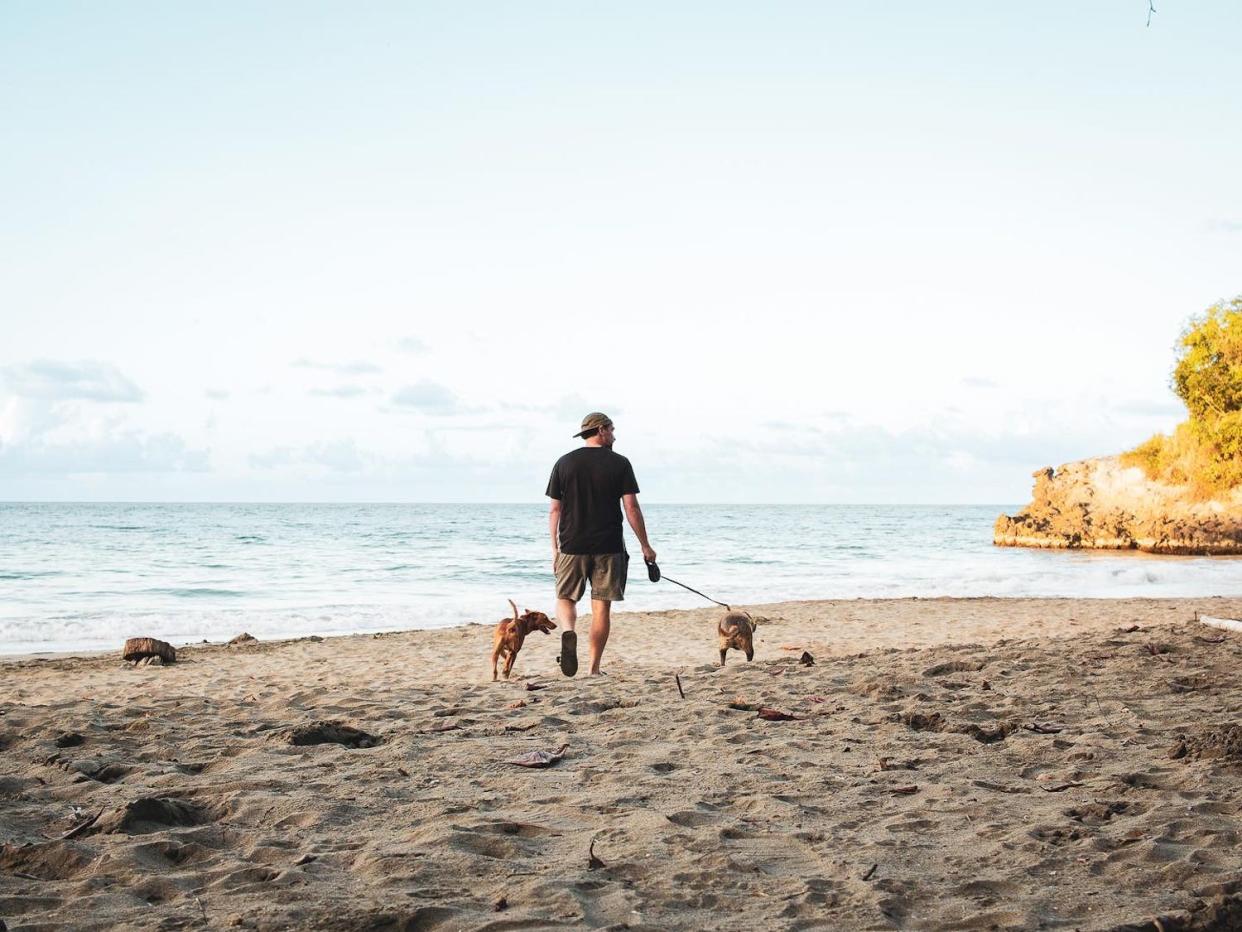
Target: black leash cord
695, 591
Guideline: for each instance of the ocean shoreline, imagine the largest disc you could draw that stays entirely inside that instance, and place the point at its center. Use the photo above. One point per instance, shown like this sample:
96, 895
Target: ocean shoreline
619, 618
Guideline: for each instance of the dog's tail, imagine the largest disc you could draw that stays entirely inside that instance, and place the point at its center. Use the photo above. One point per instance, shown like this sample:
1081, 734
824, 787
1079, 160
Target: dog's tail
514, 607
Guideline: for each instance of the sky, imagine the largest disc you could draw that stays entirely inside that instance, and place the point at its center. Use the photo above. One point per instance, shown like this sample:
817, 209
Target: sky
799, 251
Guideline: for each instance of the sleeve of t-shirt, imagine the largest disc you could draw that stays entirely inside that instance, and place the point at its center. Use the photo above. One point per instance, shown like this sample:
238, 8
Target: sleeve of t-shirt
629, 485
554, 484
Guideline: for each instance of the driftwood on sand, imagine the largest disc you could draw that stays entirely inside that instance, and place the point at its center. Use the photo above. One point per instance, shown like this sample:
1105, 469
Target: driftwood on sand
1225, 624
142, 648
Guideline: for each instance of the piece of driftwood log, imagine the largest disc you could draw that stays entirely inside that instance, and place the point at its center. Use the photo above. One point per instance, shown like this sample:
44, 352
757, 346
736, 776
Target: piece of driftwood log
1225, 624
593, 862
141, 648
82, 826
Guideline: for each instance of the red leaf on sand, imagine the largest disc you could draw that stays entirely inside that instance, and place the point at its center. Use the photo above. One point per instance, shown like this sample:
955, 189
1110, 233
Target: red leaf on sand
539, 758
776, 715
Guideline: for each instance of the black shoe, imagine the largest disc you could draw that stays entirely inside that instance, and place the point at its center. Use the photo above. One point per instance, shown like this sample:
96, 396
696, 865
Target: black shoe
569, 653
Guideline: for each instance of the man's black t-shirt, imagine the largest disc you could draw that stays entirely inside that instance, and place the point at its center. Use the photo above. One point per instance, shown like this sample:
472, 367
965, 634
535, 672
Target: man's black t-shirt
589, 483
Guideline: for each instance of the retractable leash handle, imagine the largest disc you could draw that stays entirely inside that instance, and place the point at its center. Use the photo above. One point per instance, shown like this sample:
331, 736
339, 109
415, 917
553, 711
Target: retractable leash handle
654, 574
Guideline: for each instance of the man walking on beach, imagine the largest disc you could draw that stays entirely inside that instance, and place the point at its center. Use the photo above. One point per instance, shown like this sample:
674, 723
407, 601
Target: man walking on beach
588, 488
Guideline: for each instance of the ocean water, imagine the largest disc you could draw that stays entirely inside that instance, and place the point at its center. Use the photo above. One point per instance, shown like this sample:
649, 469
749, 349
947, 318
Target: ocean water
83, 576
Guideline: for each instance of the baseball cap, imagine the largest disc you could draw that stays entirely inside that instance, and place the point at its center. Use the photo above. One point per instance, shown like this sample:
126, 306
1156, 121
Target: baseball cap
594, 421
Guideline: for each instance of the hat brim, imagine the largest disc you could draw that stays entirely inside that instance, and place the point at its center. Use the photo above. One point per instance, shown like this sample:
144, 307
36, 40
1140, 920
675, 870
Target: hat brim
591, 430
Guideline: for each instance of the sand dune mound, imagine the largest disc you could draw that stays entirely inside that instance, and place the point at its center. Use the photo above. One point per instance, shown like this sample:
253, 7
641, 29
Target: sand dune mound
150, 814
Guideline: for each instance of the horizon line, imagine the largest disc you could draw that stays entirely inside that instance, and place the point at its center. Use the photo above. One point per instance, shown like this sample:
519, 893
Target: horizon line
459, 503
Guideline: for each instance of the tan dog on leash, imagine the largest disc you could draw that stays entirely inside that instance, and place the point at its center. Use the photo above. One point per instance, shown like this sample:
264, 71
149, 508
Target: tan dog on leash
736, 630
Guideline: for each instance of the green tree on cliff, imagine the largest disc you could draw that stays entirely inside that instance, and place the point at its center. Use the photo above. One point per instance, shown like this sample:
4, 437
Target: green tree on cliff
1205, 451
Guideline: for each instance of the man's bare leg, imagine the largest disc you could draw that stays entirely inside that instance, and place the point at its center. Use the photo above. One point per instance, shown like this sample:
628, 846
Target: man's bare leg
601, 624
567, 615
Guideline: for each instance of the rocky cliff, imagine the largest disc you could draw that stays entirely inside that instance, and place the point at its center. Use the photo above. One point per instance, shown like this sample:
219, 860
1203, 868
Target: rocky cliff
1099, 504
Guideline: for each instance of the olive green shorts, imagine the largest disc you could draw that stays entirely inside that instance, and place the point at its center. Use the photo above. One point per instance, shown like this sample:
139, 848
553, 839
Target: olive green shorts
606, 571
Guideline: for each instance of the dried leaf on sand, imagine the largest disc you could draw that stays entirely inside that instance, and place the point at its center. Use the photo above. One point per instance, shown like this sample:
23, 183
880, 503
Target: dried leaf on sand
539, 758
776, 715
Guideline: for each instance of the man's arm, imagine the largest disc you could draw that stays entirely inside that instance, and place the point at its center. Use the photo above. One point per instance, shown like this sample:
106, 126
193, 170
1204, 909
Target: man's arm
554, 525
635, 516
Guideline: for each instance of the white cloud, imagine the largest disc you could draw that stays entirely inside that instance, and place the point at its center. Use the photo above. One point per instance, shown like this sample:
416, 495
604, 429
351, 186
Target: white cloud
429, 398
52, 439
273, 458
127, 452
87, 380
217, 394
357, 367
412, 345
341, 391
337, 456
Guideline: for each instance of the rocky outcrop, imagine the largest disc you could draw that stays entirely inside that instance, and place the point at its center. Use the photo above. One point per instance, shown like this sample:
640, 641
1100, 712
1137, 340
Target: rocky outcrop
1099, 504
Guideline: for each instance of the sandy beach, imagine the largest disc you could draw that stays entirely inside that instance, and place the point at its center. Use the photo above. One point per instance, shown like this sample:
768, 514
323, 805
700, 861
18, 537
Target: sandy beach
949, 764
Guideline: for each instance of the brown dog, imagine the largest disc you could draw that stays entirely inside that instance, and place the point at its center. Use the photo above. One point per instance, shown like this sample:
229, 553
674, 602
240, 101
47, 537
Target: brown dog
736, 630
510, 634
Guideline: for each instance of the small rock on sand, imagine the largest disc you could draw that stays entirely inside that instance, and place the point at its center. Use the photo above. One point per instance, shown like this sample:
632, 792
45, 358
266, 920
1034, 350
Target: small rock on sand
330, 733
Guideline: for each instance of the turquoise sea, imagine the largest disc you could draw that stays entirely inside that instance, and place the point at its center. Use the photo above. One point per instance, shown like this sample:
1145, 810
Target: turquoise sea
78, 576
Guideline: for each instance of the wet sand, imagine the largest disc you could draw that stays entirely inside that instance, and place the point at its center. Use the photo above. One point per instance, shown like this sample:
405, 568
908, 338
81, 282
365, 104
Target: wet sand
949, 764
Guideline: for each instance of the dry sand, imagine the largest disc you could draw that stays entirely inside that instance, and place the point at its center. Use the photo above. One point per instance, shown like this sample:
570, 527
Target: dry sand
953, 764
